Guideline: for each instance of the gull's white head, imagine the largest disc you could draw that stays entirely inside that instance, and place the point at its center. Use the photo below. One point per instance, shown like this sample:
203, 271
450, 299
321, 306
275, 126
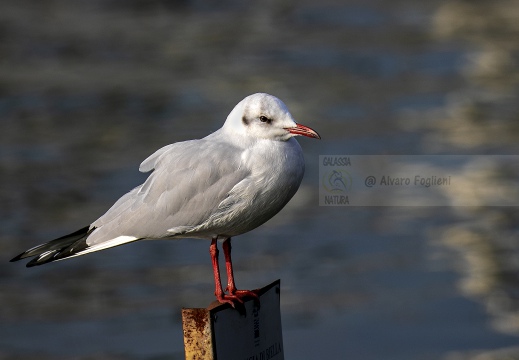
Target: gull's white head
264, 116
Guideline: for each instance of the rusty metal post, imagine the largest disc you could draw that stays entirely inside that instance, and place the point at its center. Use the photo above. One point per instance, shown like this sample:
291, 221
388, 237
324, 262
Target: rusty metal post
198, 340
248, 332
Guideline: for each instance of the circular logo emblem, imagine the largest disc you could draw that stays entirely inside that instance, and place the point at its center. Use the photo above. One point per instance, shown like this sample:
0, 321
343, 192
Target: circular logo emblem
337, 181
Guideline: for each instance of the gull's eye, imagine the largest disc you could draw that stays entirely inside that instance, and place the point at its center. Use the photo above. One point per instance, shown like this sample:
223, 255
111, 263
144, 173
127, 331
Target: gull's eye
264, 119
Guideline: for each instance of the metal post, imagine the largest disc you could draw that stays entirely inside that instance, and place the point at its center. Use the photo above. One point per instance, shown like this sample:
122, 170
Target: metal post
250, 332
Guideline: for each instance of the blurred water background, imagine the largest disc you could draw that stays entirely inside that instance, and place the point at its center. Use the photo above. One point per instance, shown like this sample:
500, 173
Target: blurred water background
88, 89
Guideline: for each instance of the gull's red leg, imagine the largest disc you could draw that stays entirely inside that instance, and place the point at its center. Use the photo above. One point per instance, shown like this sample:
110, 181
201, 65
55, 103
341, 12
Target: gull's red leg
218, 292
231, 287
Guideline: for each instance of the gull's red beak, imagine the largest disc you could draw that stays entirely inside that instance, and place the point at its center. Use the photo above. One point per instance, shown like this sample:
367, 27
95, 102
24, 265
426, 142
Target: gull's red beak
303, 131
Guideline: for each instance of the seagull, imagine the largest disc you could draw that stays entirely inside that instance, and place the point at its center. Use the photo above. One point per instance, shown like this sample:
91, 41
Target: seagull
215, 188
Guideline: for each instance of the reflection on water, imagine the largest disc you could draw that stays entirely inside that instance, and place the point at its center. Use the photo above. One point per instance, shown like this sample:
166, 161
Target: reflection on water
89, 89
482, 117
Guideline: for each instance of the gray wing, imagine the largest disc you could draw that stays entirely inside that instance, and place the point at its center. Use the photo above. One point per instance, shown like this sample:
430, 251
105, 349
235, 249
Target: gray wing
187, 186
150, 162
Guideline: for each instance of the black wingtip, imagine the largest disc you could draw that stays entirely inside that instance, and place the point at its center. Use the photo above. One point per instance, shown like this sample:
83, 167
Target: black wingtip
50, 251
34, 262
16, 258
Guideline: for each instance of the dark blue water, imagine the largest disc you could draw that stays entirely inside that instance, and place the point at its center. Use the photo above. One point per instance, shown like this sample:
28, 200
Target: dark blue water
87, 91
